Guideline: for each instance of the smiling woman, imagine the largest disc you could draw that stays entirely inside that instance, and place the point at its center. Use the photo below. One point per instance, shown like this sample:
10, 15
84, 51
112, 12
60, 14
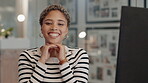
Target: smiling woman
54, 62
54, 27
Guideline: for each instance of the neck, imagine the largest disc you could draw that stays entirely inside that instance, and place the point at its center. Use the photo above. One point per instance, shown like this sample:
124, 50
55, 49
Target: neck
52, 54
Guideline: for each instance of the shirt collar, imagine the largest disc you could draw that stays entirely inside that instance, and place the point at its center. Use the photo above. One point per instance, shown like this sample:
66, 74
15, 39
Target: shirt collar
68, 50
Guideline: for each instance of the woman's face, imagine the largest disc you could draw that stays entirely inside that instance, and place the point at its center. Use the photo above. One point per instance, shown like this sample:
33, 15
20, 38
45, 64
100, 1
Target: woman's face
54, 27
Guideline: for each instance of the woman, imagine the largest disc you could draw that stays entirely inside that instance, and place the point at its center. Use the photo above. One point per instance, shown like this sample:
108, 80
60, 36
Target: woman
54, 62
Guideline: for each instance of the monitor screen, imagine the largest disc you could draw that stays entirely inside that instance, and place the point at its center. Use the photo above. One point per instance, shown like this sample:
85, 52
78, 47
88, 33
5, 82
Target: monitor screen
132, 61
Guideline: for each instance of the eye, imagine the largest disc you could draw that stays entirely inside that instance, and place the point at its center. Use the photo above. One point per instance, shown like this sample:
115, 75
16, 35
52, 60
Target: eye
48, 23
60, 24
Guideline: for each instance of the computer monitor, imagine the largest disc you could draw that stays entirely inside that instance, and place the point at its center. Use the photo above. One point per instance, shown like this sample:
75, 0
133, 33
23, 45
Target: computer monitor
132, 61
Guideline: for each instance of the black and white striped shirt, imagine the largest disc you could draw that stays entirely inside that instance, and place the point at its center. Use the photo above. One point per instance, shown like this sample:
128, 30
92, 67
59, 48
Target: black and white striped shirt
74, 71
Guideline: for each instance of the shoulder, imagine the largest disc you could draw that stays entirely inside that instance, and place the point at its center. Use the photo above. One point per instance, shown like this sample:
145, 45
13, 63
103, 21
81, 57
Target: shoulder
31, 49
78, 56
78, 51
29, 53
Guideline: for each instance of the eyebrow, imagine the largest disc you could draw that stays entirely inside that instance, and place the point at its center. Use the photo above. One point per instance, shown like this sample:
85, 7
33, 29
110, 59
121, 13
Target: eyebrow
52, 20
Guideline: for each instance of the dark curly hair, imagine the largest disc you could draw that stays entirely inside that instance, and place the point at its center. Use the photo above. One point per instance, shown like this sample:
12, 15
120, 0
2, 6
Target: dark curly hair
54, 7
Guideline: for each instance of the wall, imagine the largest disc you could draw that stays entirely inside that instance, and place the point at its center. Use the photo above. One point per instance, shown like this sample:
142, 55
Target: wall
35, 8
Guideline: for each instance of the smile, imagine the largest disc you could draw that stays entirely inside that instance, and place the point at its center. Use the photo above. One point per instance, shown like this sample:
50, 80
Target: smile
53, 35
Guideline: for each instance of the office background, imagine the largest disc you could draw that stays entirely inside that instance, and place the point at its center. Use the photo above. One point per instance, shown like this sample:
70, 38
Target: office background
99, 19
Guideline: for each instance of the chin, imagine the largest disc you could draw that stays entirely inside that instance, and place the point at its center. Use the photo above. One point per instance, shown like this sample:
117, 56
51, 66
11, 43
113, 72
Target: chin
54, 42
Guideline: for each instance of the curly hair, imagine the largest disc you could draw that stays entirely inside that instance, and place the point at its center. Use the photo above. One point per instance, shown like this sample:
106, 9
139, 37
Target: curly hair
54, 7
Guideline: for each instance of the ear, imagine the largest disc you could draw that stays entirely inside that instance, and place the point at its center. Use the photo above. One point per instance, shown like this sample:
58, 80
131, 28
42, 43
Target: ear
41, 30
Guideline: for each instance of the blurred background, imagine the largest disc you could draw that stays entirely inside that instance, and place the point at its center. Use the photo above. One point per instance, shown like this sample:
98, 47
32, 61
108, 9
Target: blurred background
94, 27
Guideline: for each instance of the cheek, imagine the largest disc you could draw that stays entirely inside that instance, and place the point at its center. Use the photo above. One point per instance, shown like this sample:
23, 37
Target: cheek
65, 32
43, 29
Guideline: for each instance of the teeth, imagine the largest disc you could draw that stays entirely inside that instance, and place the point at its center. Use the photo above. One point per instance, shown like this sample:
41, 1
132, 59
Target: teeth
53, 34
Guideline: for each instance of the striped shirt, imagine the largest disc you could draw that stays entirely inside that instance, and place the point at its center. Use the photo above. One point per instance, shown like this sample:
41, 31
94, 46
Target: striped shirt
74, 71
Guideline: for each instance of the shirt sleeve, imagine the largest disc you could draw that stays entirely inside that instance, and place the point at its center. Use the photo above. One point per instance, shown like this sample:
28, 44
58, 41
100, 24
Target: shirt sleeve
29, 73
79, 73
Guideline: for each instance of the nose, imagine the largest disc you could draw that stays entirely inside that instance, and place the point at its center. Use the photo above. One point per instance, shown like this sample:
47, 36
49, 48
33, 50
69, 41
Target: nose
54, 28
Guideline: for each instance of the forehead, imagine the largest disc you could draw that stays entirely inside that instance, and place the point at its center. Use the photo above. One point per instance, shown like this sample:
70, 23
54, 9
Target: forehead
55, 14
55, 11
